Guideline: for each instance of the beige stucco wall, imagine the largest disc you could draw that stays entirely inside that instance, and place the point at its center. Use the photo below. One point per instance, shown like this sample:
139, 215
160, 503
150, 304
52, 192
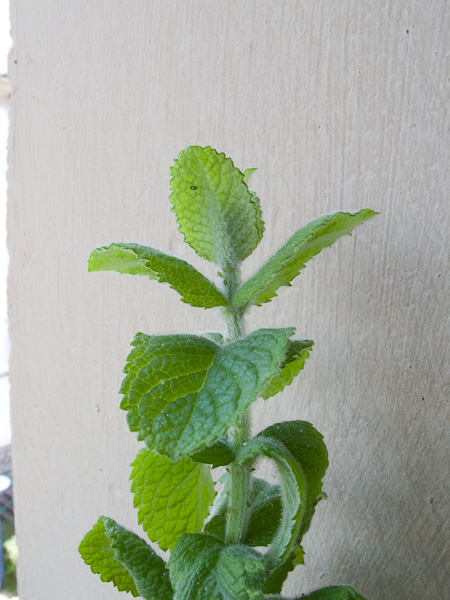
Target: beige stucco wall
341, 105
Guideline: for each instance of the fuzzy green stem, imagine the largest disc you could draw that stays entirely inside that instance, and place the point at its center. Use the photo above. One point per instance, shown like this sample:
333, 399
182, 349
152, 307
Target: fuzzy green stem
240, 433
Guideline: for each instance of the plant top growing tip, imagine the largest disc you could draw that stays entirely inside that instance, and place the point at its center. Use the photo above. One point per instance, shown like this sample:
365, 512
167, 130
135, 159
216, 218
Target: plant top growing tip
187, 397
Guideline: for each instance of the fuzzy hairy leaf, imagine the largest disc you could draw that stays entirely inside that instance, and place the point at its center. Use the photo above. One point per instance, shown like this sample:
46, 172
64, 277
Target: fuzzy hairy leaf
194, 288
292, 257
336, 592
123, 558
297, 351
293, 494
171, 498
216, 212
201, 567
308, 448
183, 392
306, 444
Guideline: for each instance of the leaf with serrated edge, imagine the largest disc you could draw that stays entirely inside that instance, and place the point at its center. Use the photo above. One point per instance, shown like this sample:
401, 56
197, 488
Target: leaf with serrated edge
215, 211
201, 567
171, 498
306, 444
297, 351
293, 494
308, 448
121, 557
194, 288
183, 392
292, 257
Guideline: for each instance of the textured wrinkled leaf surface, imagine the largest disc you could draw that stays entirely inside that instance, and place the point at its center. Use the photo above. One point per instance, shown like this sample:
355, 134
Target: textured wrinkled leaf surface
292, 257
201, 567
194, 288
336, 592
297, 351
171, 498
121, 557
307, 446
219, 217
293, 494
183, 392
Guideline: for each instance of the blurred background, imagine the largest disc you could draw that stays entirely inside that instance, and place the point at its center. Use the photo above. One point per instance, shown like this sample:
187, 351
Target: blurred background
8, 554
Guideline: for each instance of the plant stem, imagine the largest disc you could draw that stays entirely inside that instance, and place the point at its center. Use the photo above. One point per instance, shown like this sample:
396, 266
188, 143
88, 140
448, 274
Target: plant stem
240, 433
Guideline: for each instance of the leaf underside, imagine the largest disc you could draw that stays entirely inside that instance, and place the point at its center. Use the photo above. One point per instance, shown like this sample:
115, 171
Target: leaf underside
121, 557
171, 498
218, 215
293, 494
183, 392
292, 257
306, 445
194, 288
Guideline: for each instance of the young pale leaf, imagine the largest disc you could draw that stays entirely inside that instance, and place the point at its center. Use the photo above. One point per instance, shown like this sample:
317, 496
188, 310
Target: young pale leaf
248, 173
291, 258
219, 217
171, 498
194, 288
293, 494
336, 592
201, 567
183, 392
121, 557
297, 351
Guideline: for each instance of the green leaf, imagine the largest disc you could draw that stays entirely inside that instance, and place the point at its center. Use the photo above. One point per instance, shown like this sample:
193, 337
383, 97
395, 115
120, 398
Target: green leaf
291, 258
194, 288
337, 592
293, 494
265, 513
217, 214
306, 444
308, 448
201, 567
123, 558
171, 498
219, 454
297, 351
183, 392
248, 173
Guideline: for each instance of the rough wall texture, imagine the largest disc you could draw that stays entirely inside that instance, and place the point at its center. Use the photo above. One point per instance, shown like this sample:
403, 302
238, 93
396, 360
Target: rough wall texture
340, 105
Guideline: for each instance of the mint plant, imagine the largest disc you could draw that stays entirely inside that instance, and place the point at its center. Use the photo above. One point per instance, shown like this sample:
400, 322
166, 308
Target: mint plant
187, 397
